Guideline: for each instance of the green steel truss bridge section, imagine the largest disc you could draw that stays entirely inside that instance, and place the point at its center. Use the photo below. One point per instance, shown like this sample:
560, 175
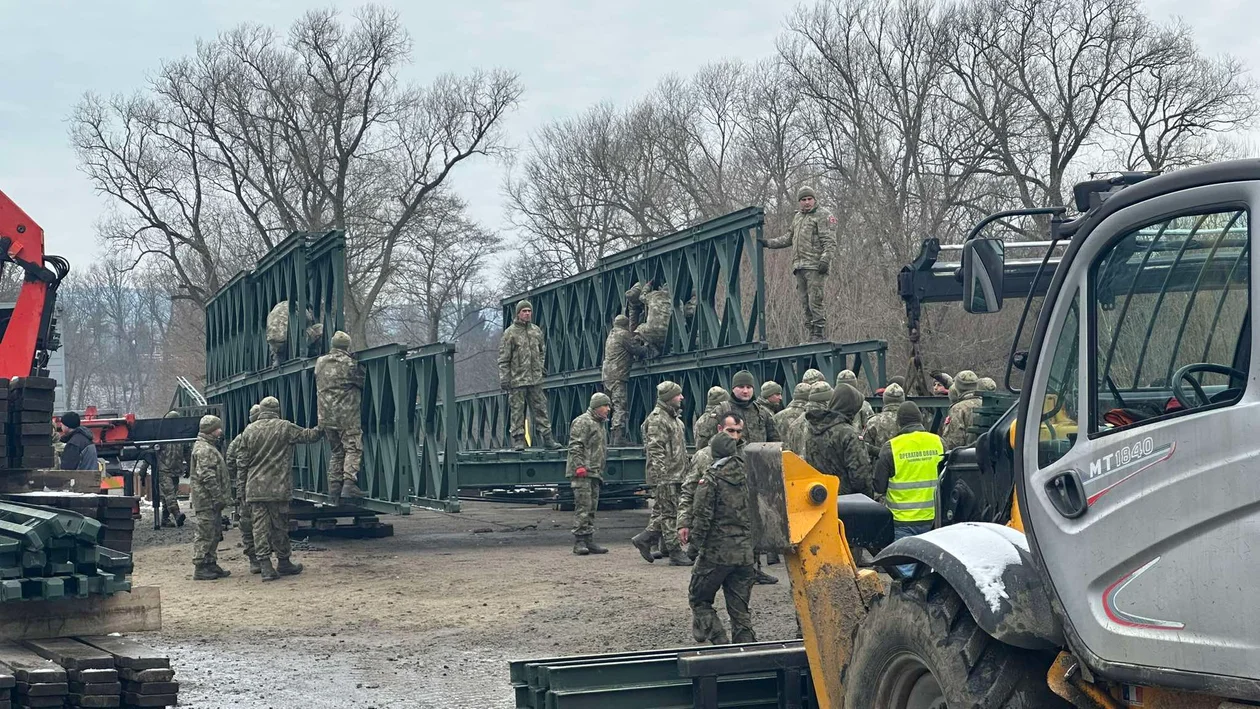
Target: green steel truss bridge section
718, 262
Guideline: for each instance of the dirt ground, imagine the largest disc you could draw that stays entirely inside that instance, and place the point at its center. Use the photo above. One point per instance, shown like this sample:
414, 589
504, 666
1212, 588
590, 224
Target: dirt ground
427, 618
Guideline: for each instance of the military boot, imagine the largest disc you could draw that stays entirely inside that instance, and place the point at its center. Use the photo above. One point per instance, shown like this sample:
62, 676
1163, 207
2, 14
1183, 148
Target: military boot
179, 519
550, 443
266, 569
765, 579
286, 567
772, 558
594, 548
334, 494
643, 541
220, 571
166, 520
660, 552
678, 558
719, 637
518, 443
350, 489
254, 568
579, 546
204, 572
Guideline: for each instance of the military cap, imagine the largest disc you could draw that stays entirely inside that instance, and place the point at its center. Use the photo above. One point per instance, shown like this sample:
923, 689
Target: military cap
966, 381
894, 394
769, 389
908, 414
599, 399
718, 395
805, 191
210, 424
341, 340
820, 393
743, 378
171, 415
811, 376
253, 412
667, 390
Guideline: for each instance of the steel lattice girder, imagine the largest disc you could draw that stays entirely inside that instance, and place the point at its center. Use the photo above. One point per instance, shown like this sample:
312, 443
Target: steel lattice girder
717, 261
483, 418
307, 269
407, 456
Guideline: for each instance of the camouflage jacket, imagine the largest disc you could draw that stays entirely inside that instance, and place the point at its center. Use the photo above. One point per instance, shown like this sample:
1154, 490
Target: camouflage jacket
956, 433
812, 238
772, 408
620, 351
522, 355
339, 389
784, 419
235, 482
172, 458
660, 306
881, 428
665, 445
758, 421
721, 524
588, 447
834, 447
278, 324
634, 305
266, 456
797, 436
208, 479
706, 425
699, 463
864, 416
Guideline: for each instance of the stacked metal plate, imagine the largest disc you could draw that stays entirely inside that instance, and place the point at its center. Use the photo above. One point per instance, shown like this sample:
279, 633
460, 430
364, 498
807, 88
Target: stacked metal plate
91, 677
40, 682
48, 553
147, 677
29, 405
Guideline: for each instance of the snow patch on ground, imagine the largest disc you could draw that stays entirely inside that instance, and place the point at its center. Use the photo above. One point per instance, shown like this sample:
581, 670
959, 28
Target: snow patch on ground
987, 550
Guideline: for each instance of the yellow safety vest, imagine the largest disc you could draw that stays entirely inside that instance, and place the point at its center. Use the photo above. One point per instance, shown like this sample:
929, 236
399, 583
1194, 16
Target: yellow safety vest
912, 489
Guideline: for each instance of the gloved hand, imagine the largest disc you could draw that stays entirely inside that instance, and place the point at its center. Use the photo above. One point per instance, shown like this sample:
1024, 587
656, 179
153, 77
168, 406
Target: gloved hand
824, 268
580, 472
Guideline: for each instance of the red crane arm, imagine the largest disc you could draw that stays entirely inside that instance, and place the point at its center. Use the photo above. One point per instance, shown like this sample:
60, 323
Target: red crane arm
22, 243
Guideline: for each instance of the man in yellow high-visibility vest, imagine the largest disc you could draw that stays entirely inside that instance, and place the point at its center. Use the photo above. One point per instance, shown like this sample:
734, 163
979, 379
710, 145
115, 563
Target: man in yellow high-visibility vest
906, 476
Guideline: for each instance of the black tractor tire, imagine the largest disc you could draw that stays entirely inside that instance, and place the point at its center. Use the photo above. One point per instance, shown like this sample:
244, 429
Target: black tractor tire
919, 648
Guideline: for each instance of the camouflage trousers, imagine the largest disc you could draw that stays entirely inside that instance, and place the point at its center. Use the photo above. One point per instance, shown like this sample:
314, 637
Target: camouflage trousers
271, 529
347, 454
246, 524
664, 520
206, 537
519, 398
653, 338
279, 351
809, 287
736, 583
585, 503
168, 489
620, 396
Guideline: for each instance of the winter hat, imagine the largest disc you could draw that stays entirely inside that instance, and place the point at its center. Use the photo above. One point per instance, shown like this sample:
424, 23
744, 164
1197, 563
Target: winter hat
986, 384
723, 446
908, 414
171, 415
812, 376
801, 391
846, 400
769, 389
820, 393
966, 381
894, 394
667, 390
621, 321
253, 412
599, 399
717, 395
269, 405
805, 191
846, 375
210, 424
522, 304
340, 340
743, 378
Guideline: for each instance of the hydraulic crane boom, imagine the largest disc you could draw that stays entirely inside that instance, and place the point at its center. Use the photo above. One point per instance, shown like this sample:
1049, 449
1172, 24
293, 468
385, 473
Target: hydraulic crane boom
26, 338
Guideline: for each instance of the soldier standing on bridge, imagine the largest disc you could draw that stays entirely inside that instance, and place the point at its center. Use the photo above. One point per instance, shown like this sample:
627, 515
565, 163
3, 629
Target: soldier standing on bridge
522, 360
813, 241
339, 390
654, 330
278, 331
588, 452
620, 350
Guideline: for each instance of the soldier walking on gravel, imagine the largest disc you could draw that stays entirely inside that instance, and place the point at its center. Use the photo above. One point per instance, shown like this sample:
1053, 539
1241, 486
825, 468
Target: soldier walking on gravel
522, 359
584, 468
666, 463
339, 389
208, 481
813, 241
266, 455
236, 477
721, 528
620, 350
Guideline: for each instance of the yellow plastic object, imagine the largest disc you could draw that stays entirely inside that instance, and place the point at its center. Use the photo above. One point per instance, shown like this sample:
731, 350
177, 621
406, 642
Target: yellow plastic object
825, 588
1057, 427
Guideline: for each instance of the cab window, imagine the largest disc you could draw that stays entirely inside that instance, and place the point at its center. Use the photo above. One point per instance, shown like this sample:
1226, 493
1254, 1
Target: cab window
1057, 432
1171, 319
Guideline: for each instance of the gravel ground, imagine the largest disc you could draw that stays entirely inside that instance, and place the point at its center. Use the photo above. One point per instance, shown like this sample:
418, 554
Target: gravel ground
427, 618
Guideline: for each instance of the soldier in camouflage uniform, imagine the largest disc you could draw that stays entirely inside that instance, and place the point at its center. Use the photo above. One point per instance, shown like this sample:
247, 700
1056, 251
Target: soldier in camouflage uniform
882, 427
834, 446
771, 397
278, 331
967, 399
812, 376
172, 464
665, 444
339, 389
720, 526
584, 468
522, 358
847, 376
986, 384
635, 309
236, 478
653, 330
208, 481
732, 425
794, 410
813, 241
266, 456
707, 423
620, 350
817, 401
758, 428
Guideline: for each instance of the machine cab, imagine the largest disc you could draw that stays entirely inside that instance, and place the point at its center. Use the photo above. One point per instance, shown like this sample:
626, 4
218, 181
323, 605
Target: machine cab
1140, 488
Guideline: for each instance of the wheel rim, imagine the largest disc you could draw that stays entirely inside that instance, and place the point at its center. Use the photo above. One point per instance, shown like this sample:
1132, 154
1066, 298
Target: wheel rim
907, 683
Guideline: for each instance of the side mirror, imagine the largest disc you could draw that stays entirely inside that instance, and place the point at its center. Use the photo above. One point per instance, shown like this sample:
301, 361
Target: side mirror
983, 266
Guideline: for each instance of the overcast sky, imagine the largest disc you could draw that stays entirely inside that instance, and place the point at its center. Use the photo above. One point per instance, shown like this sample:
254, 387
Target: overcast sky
569, 54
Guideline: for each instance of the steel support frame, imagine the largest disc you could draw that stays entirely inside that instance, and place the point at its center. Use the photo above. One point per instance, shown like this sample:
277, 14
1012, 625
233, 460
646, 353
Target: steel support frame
718, 262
